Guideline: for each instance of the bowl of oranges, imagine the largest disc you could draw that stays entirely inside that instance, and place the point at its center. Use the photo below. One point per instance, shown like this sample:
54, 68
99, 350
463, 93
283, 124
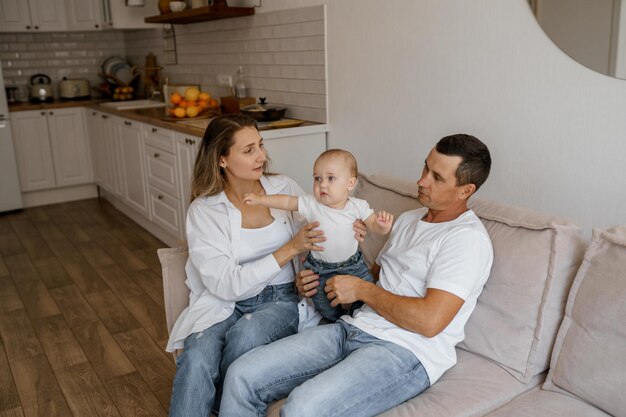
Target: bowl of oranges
191, 103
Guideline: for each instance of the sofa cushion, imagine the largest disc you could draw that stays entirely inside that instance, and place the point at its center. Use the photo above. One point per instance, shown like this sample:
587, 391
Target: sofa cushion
536, 257
473, 387
538, 402
589, 357
384, 193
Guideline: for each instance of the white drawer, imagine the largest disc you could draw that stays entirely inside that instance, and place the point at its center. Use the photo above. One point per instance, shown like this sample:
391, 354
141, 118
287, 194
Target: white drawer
166, 211
160, 138
162, 170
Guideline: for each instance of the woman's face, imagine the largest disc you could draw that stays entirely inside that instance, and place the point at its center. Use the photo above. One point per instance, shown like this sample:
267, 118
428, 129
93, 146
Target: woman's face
246, 158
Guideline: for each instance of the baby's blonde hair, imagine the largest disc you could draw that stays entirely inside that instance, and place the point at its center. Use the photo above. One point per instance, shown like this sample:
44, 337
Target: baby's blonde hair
348, 158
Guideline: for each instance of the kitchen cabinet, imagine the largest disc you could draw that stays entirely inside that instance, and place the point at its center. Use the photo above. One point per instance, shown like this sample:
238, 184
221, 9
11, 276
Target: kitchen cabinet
95, 122
186, 151
32, 15
72, 15
162, 170
51, 148
84, 14
295, 155
133, 173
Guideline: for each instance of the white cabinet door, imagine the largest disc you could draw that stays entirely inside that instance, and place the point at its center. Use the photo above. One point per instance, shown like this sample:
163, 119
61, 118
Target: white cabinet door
186, 150
48, 15
131, 140
32, 149
84, 14
14, 16
97, 146
118, 16
111, 135
70, 146
294, 156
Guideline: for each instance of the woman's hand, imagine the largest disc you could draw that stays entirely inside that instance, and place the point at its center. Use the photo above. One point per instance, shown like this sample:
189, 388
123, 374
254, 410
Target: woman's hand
307, 283
305, 240
360, 230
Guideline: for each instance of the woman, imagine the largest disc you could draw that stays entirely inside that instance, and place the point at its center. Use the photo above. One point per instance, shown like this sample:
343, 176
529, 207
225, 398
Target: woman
240, 270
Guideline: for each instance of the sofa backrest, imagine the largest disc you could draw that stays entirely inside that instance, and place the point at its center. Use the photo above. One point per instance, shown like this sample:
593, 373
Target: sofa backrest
535, 259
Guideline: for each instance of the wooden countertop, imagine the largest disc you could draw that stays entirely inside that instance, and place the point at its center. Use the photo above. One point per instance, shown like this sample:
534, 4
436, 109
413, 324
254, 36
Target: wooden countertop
152, 116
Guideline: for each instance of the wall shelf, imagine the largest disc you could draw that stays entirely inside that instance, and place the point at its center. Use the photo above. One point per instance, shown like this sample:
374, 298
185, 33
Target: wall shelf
201, 14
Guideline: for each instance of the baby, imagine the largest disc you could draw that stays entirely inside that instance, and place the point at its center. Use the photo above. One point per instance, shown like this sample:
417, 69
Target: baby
334, 175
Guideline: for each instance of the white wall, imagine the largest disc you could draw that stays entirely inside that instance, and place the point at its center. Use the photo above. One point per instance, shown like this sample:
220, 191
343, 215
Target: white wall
404, 73
402, 76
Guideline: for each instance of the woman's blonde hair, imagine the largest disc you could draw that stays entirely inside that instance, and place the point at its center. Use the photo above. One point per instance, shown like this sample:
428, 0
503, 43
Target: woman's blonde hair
208, 177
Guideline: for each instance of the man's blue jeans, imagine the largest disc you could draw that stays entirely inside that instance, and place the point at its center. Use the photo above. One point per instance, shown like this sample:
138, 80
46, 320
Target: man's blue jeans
271, 315
330, 370
355, 265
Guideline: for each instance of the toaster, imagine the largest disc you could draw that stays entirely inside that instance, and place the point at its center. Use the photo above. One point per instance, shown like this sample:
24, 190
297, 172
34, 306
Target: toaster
74, 89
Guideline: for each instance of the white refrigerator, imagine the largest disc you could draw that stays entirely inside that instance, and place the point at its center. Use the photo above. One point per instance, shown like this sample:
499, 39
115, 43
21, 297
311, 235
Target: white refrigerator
10, 195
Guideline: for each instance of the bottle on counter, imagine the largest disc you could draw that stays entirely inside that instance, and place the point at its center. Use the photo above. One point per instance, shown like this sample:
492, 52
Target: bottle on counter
240, 84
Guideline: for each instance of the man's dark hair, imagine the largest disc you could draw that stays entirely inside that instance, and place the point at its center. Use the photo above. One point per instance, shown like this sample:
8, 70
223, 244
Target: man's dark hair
476, 163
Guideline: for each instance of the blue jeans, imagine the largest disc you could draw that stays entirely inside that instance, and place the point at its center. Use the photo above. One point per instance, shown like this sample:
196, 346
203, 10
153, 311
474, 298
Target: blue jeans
355, 265
331, 370
271, 315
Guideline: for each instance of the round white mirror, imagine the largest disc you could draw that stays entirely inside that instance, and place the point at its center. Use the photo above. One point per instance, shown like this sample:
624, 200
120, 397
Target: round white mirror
592, 32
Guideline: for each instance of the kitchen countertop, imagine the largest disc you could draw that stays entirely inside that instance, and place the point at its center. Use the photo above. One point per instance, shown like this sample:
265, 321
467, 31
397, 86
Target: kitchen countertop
153, 116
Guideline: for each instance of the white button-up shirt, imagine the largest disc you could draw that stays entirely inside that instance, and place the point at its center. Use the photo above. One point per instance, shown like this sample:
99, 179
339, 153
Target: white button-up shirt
215, 277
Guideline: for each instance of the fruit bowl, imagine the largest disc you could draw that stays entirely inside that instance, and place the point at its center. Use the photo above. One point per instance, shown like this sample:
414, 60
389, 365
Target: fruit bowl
192, 103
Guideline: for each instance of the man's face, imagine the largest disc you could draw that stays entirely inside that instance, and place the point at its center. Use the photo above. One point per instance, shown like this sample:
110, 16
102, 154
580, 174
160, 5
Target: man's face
437, 186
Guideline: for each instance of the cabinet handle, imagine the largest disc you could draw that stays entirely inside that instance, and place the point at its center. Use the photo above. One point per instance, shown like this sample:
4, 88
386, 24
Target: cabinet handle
104, 116
187, 141
127, 123
193, 141
36, 27
154, 129
93, 113
43, 113
160, 197
156, 155
97, 26
28, 27
51, 113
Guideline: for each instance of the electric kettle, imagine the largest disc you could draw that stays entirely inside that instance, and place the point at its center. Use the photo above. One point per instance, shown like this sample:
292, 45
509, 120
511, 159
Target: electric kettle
40, 88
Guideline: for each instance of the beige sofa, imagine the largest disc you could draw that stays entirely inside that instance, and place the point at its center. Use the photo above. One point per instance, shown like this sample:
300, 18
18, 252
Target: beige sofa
510, 338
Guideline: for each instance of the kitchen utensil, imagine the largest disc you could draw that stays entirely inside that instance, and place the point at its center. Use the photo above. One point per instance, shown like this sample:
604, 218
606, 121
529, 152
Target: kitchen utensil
11, 94
40, 88
110, 62
263, 111
177, 6
74, 89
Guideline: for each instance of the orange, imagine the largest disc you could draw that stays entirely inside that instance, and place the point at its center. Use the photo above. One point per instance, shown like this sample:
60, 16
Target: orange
191, 94
183, 104
203, 103
204, 96
175, 98
212, 103
192, 111
179, 112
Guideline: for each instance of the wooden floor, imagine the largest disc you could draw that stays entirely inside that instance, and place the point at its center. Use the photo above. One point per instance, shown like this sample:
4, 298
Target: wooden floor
82, 324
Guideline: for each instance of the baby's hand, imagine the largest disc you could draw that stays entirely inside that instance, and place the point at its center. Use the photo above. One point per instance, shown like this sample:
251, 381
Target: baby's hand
384, 220
250, 199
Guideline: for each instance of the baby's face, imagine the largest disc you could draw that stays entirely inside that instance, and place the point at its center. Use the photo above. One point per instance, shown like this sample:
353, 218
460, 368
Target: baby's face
332, 182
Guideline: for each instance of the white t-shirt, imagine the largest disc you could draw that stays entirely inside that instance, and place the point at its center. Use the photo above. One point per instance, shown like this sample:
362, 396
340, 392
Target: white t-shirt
340, 243
454, 256
258, 243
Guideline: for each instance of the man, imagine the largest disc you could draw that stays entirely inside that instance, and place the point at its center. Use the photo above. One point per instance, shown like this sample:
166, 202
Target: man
431, 272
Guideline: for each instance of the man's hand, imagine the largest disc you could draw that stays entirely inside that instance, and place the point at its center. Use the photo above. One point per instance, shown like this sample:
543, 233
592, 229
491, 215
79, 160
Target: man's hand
250, 199
307, 282
344, 289
360, 230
